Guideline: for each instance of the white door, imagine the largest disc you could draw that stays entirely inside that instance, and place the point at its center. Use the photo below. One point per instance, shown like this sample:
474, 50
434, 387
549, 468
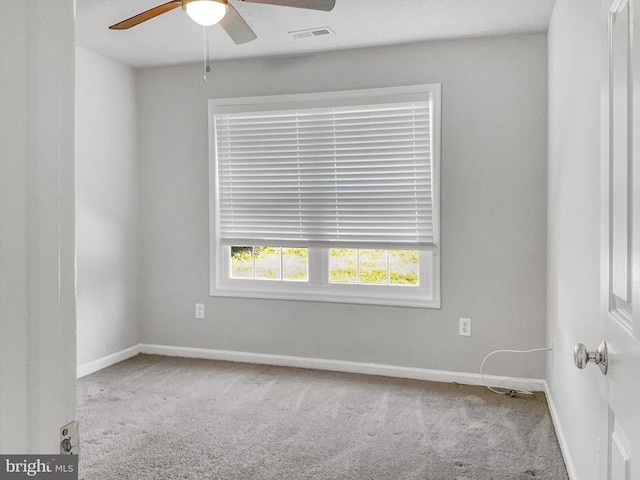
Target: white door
620, 315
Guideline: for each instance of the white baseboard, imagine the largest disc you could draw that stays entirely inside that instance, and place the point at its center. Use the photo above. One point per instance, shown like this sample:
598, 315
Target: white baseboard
444, 376
562, 440
104, 362
346, 366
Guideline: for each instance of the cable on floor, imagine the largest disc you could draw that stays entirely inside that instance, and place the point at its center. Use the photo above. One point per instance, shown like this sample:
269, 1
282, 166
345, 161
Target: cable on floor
509, 392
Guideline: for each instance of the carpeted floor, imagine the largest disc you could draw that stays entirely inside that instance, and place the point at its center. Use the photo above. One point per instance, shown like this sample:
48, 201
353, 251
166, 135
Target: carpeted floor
155, 417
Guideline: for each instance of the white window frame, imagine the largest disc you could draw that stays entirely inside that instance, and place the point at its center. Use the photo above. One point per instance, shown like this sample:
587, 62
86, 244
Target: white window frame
318, 288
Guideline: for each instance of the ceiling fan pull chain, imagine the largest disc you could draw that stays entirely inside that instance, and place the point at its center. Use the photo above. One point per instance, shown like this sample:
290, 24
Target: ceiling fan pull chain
206, 66
208, 56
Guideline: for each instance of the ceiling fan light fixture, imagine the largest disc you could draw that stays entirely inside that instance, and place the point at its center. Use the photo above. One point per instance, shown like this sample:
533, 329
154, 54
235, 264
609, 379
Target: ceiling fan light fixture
205, 12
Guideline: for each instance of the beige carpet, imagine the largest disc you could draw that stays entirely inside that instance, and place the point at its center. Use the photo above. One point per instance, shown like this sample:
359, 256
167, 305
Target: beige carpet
155, 417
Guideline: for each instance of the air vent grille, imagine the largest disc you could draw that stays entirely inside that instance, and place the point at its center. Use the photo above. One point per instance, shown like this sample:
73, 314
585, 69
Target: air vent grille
312, 32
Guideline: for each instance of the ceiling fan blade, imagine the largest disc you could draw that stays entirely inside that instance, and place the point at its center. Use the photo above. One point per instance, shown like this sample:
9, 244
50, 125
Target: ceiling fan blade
236, 27
326, 5
148, 15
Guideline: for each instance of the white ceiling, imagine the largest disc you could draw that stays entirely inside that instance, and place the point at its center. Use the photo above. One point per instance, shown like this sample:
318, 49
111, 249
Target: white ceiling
173, 38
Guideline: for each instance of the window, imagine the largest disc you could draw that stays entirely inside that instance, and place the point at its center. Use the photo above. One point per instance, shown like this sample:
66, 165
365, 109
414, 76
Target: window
374, 266
329, 196
270, 263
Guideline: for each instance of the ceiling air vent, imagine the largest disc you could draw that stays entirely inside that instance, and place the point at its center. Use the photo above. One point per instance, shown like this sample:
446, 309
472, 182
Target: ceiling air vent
312, 32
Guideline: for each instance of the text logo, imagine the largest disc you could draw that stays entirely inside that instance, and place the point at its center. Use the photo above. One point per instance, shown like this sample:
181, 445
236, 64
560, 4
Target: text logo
49, 467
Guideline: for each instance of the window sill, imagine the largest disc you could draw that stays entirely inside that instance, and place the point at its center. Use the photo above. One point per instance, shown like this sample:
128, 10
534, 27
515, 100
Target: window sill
414, 301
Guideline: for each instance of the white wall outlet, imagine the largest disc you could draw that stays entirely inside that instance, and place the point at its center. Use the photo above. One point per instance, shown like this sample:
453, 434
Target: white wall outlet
199, 310
465, 327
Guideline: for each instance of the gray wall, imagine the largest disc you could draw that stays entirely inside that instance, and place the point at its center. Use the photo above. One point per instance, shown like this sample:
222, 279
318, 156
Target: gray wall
493, 209
574, 221
107, 213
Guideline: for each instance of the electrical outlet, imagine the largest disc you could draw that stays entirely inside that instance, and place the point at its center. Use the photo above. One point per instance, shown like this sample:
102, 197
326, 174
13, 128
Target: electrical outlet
465, 327
199, 310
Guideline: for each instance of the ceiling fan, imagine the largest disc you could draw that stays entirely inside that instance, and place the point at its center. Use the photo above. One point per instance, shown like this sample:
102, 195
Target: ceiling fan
210, 12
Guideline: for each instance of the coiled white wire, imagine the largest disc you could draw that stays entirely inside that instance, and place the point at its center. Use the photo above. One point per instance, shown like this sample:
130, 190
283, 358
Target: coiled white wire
508, 391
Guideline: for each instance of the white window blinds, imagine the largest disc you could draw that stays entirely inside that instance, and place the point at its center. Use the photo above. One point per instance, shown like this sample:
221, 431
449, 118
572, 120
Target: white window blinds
353, 175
